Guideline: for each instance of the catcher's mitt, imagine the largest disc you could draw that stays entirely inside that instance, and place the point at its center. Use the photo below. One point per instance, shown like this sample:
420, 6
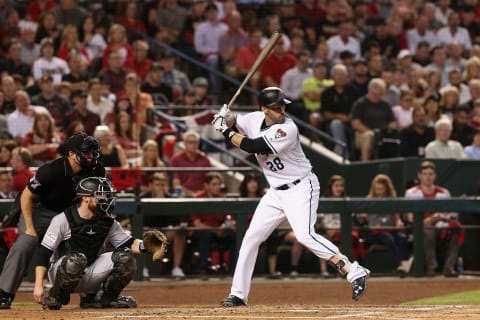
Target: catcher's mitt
155, 242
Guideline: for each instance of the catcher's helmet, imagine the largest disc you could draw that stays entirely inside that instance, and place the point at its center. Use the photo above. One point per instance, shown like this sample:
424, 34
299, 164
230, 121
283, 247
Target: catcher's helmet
80, 144
272, 97
102, 189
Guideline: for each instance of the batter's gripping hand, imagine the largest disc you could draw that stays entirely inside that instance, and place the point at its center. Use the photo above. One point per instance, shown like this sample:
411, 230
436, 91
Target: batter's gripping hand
155, 242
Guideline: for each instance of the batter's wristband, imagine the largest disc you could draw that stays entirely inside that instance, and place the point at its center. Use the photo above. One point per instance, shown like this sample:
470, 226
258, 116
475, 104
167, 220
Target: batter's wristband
228, 133
141, 247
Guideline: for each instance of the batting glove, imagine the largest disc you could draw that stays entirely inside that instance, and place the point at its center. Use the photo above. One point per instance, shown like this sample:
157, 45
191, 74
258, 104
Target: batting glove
219, 123
224, 111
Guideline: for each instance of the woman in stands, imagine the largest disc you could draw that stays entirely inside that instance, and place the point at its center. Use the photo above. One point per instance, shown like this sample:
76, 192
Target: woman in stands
386, 228
150, 159
111, 153
93, 42
43, 140
124, 136
117, 39
48, 28
70, 42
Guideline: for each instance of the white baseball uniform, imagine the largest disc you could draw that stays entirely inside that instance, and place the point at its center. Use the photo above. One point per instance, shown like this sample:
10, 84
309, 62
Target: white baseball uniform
293, 195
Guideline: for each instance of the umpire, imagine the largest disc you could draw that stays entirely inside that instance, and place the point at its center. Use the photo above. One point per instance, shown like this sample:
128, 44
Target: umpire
48, 193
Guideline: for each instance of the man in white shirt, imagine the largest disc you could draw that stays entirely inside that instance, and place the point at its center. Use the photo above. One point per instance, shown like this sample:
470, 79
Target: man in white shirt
442, 147
420, 33
343, 42
205, 40
20, 121
96, 103
453, 32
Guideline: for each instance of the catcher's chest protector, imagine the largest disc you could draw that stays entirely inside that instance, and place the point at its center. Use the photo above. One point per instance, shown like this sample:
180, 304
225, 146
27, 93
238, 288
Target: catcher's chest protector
87, 236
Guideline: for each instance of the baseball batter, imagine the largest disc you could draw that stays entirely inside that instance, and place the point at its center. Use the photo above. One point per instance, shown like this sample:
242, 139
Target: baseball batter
77, 237
293, 194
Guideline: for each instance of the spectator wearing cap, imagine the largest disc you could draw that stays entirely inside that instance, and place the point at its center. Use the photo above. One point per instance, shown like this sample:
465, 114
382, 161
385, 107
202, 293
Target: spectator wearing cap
473, 151
360, 76
173, 77
371, 113
404, 61
30, 49
20, 121
206, 39
422, 58
81, 113
454, 32
443, 147
77, 77
343, 41
415, 137
162, 94
200, 87
43, 139
336, 102
276, 64
230, 42
169, 21
96, 102
141, 63
57, 105
47, 63
12, 64
421, 32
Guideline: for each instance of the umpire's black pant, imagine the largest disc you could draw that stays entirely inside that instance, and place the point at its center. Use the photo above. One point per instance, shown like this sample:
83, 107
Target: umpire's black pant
23, 250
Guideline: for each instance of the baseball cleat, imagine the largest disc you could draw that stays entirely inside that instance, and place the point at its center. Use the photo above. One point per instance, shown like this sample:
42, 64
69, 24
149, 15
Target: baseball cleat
359, 285
5, 302
232, 301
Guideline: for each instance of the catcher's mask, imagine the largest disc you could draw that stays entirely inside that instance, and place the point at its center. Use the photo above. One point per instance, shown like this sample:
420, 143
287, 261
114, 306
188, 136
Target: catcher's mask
272, 97
103, 191
86, 148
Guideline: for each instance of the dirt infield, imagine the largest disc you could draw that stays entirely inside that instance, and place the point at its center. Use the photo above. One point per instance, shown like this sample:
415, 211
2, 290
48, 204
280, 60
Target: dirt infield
304, 298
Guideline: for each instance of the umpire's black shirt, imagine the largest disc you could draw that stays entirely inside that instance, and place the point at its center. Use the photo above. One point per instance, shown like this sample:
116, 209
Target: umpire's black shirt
54, 183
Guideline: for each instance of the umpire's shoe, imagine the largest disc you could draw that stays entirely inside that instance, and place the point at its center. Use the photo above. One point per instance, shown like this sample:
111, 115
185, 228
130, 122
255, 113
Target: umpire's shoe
233, 301
6, 299
122, 302
358, 277
52, 303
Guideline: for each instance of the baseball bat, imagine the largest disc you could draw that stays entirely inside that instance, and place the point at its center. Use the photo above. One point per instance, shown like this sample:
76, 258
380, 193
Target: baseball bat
261, 57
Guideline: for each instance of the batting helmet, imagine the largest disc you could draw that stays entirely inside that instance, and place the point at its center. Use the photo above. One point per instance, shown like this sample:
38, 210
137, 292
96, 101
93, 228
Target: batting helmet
271, 97
102, 189
80, 144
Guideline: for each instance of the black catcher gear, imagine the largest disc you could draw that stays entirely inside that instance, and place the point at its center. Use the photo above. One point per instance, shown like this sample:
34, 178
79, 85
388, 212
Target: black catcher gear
272, 97
69, 274
102, 189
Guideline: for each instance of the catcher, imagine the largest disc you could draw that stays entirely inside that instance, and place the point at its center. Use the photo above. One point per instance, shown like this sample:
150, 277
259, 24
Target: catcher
77, 237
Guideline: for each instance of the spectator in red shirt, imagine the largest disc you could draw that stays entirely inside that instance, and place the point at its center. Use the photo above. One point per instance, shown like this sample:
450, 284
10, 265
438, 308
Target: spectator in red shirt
247, 55
190, 182
222, 238
276, 64
141, 63
36, 8
117, 40
71, 42
20, 162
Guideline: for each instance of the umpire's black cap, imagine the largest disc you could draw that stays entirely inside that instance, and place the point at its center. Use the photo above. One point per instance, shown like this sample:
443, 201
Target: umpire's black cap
81, 142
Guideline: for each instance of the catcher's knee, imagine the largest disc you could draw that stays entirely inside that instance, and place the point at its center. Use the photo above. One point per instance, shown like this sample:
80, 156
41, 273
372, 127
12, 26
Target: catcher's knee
74, 263
124, 261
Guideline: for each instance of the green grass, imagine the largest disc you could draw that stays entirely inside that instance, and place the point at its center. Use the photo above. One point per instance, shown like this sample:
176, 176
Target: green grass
459, 298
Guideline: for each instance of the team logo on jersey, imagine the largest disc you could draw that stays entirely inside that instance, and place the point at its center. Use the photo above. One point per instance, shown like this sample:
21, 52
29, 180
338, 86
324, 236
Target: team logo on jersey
34, 183
280, 134
51, 236
91, 232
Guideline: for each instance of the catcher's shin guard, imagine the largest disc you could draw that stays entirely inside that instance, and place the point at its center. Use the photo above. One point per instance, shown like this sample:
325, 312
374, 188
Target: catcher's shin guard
69, 274
124, 267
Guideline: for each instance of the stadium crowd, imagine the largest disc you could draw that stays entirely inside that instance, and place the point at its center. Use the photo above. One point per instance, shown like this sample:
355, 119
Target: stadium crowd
406, 71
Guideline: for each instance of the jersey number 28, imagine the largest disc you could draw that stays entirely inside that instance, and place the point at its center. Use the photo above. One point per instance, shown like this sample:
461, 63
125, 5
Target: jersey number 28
275, 164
